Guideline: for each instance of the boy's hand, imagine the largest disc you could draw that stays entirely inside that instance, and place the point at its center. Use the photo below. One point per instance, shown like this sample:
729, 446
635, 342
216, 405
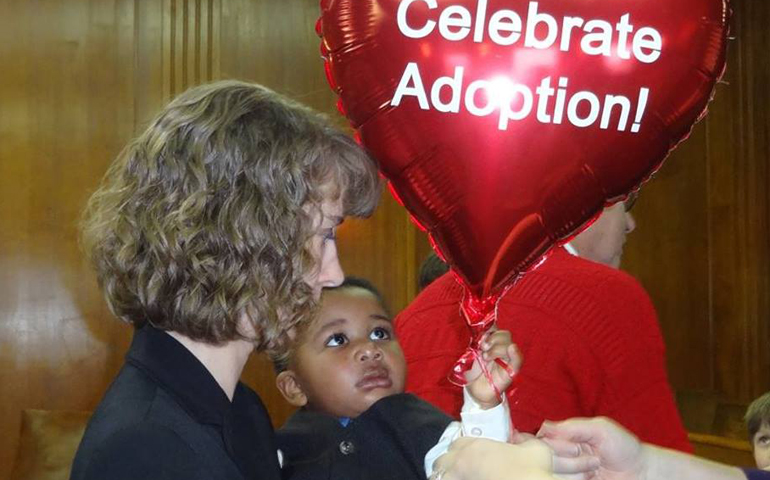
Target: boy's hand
495, 344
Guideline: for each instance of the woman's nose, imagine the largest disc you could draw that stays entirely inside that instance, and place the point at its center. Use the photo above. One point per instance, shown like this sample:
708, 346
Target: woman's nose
330, 271
630, 223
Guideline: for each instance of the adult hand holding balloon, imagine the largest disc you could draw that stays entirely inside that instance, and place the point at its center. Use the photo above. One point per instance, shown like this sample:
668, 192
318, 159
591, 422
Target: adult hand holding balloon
504, 126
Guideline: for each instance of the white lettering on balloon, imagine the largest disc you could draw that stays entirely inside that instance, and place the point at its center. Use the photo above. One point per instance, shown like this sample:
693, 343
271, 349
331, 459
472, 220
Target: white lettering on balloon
516, 101
539, 31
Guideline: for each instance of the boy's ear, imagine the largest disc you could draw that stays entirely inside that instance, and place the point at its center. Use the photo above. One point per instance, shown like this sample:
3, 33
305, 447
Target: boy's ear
290, 388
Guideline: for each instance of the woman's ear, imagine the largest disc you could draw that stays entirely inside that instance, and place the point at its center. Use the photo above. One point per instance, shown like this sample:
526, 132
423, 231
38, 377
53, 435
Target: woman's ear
290, 388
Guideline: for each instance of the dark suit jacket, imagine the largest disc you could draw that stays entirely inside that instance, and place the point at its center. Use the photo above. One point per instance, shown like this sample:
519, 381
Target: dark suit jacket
388, 441
165, 417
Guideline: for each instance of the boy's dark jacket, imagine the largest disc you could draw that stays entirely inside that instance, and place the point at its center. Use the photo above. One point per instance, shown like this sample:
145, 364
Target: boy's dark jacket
388, 441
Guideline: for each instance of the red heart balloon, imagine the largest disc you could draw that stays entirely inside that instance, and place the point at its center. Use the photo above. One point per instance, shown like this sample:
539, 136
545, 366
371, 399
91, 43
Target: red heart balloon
506, 125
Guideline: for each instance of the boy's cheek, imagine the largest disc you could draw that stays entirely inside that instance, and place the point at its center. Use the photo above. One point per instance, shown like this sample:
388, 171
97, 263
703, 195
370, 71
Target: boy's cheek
399, 359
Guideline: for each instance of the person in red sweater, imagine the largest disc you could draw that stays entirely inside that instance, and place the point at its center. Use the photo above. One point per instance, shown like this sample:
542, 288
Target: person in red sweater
588, 334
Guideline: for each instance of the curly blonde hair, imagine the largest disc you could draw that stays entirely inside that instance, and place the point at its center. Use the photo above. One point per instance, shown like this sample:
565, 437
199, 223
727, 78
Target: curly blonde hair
207, 216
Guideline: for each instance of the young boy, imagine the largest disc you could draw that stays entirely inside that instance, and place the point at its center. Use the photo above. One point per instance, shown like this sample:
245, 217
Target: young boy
758, 424
347, 373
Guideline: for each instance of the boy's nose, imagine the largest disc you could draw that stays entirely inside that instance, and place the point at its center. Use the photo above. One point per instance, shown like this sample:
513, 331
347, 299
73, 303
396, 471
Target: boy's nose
368, 351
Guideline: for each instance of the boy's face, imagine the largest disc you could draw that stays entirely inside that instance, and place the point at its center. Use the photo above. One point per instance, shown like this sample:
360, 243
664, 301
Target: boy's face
761, 443
348, 357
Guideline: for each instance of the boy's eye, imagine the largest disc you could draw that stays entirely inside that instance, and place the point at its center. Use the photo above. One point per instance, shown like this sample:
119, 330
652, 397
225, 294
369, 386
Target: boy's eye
763, 440
336, 340
380, 333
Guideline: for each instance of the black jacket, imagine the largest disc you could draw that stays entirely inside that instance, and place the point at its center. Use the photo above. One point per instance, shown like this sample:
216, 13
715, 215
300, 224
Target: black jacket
388, 441
165, 417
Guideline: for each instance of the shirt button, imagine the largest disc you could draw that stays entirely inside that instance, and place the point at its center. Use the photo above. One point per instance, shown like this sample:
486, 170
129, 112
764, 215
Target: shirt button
346, 447
476, 432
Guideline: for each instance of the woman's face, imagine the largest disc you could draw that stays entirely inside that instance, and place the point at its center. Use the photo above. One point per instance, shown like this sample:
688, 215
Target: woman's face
323, 245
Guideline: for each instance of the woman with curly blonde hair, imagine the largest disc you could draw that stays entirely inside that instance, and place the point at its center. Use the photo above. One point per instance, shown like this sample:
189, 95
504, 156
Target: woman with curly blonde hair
213, 235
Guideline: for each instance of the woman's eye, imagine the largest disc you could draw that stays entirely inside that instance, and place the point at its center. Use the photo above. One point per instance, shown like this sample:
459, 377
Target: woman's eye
330, 234
763, 440
380, 333
336, 340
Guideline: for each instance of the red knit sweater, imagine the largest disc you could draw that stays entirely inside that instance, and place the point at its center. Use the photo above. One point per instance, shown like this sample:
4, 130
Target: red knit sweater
589, 338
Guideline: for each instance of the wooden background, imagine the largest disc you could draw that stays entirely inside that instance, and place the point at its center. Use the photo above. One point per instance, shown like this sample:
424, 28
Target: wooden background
78, 78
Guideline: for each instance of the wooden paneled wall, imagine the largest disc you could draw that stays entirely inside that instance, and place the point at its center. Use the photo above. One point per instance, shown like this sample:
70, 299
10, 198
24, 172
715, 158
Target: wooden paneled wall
702, 244
81, 77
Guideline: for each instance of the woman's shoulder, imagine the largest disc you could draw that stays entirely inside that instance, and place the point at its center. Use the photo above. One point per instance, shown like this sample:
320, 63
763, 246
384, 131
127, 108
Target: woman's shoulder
127, 450
138, 415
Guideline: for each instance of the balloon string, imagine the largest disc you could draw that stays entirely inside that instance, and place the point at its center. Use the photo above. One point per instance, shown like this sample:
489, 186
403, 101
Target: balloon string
475, 355
480, 318
508, 369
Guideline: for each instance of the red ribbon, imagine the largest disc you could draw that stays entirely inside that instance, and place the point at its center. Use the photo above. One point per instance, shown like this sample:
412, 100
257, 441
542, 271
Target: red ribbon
480, 315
